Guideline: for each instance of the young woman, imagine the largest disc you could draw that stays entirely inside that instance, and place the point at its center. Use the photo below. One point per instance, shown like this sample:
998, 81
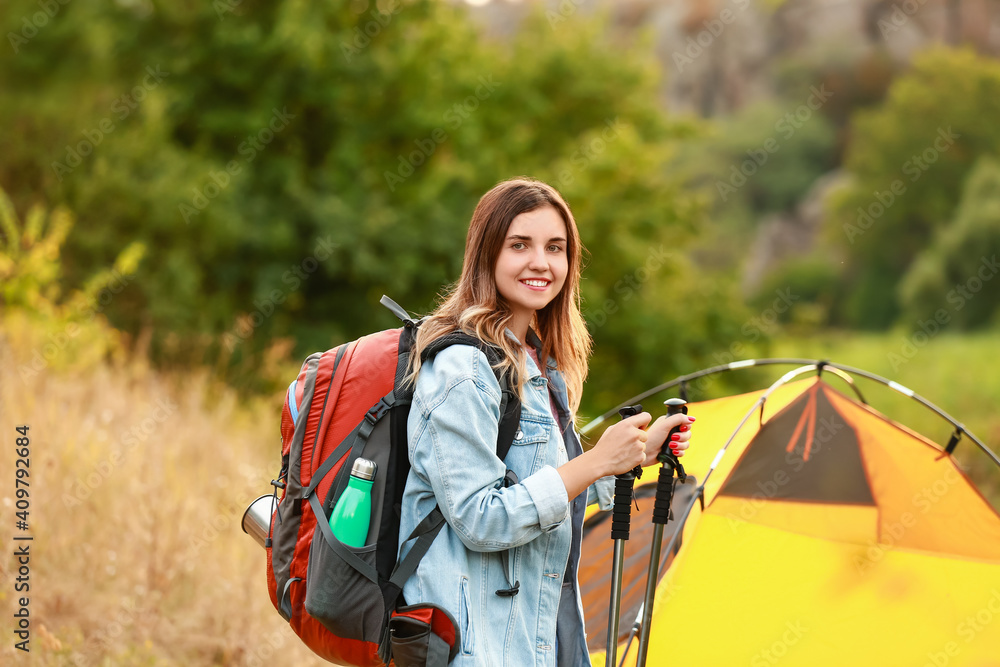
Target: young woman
504, 565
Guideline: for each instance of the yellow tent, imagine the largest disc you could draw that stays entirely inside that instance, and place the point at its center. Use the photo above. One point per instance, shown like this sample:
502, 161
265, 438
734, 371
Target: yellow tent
830, 535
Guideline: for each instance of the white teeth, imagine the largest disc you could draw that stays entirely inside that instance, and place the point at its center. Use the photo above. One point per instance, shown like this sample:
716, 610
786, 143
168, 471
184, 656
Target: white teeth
535, 283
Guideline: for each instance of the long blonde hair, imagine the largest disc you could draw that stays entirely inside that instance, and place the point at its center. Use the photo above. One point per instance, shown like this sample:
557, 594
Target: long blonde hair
475, 306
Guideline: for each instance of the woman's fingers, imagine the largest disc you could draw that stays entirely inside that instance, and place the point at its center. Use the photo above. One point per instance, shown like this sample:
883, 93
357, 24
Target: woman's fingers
631, 444
639, 421
679, 441
623, 445
660, 430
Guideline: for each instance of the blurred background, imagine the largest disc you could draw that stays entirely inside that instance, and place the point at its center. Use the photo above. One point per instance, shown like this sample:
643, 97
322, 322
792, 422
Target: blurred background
194, 196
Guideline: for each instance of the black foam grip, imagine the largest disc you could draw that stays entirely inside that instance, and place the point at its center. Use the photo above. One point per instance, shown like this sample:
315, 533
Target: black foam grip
664, 493
621, 515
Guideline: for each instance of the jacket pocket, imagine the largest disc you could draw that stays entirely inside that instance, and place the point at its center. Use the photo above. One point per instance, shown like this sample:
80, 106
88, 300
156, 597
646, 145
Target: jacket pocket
465, 616
532, 429
528, 452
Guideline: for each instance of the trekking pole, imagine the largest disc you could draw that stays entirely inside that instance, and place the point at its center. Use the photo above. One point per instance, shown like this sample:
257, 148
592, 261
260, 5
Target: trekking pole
620, 518
661, 514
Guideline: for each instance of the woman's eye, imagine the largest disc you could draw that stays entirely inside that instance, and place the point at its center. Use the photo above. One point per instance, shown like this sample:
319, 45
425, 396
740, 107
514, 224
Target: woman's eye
518, 246
555, 248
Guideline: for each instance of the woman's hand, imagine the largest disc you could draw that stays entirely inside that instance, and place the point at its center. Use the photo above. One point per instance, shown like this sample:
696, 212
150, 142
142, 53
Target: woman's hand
657, 433
623, 445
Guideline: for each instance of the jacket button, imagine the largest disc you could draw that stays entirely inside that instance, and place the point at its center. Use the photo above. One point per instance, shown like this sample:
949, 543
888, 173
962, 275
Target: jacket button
518, 435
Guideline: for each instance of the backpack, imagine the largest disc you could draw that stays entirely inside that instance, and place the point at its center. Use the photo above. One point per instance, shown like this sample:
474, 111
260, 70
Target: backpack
344, 602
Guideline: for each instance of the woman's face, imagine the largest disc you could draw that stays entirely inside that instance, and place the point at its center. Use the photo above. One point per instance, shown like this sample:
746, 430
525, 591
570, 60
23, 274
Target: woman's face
533, 262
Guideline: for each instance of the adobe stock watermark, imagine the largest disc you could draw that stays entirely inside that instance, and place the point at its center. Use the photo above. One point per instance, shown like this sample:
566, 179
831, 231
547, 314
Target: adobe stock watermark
57, 342
228, 517
211, 529
957, 297
915, 167
223, 7
587, 152
37, 21
627, 287
265, 654
893, 530
122, 108
759, 325
453, 118
697, 44
778, 649
826, 428
250, 148
900, 16
138, 433
563, 11
785, 127
363, 35
129, 611
265, 307
968, 629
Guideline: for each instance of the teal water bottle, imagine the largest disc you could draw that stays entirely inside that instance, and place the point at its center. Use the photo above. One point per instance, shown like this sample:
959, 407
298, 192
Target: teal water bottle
353, 512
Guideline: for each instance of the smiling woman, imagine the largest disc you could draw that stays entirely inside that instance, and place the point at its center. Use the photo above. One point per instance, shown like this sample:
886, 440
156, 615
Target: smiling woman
504, 565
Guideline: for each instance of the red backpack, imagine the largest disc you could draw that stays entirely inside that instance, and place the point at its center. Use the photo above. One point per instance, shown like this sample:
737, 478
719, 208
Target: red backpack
344, 602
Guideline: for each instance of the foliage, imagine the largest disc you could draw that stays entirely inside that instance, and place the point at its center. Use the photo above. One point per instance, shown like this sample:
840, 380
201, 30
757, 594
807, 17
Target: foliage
815, 283
290, 163
855, 75
953, 274
60, 330
761, 161
923, 141
766, 156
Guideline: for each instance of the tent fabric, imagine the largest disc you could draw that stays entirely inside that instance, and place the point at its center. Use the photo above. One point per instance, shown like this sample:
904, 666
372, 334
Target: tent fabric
804, 453
830, 534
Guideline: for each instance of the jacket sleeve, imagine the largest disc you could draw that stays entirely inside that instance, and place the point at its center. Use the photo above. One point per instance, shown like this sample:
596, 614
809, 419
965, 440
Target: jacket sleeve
602, 492
453, 429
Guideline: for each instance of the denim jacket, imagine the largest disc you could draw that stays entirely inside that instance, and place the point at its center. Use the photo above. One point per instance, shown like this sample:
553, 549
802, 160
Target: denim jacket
527, 534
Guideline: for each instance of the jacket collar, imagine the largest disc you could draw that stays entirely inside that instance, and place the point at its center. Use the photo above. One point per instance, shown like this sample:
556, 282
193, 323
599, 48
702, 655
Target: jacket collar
535, 342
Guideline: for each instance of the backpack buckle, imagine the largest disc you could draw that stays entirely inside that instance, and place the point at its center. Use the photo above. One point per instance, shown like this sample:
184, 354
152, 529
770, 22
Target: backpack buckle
378, 411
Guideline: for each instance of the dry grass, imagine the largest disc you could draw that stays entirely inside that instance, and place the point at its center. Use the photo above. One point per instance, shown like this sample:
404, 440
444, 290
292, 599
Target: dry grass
138, 556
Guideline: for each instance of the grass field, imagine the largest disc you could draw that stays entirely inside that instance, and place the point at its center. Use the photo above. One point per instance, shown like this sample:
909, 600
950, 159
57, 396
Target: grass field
139, 479
138, 482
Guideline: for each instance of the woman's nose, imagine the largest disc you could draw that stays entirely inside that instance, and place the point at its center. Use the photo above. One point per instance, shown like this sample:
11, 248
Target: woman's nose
538, 260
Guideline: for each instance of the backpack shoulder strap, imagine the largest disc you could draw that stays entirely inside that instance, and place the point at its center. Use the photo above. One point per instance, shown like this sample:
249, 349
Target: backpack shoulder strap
510, 405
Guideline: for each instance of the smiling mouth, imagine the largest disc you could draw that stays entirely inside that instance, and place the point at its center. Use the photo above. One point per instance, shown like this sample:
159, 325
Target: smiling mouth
537, 284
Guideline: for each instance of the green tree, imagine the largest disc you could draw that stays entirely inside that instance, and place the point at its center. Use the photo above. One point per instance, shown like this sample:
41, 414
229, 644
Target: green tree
954, 273
288, 163
908, 159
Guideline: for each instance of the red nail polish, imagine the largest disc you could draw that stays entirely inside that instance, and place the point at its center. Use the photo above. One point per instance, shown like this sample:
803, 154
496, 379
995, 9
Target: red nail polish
675, 436
683, 428
691, 419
